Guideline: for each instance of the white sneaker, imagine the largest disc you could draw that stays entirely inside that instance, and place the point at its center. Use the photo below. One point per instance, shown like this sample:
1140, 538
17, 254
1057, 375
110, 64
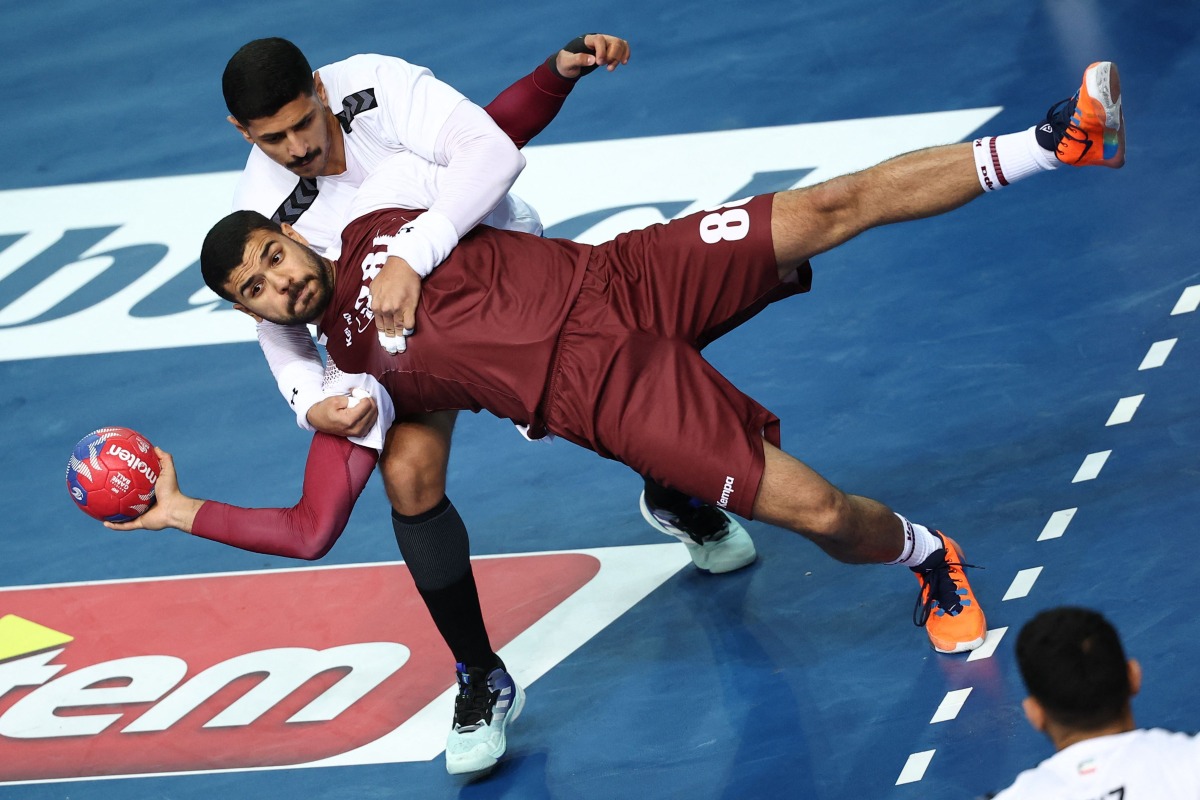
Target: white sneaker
715, 540
487, 702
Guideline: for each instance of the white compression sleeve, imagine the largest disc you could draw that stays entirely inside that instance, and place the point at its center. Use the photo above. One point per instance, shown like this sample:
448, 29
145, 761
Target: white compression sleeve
296, 364
481, 164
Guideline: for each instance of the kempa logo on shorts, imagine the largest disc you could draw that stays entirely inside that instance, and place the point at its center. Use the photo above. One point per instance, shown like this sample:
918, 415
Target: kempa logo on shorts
726, 492
286, 668
118, 260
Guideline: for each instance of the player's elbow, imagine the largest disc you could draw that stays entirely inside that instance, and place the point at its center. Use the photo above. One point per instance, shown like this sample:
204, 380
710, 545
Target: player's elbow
512, 162
313, 552
314, 534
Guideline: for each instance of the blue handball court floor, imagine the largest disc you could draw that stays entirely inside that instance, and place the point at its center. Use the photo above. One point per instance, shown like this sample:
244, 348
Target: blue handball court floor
1015, 373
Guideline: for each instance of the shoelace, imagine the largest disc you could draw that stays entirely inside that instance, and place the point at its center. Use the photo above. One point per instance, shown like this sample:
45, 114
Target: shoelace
474, 703
943, 591
1059, 116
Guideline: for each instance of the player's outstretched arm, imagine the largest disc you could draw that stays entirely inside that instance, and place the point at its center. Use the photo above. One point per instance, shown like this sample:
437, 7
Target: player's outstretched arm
334, 477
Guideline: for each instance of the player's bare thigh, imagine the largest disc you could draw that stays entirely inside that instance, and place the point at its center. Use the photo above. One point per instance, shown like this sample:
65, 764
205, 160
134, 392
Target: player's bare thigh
415, 457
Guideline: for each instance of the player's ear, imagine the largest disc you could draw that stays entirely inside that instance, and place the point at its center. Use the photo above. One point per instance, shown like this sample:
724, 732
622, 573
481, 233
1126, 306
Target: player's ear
247, 312
1034, 713
241, 129
294, 234
319, 88
1135, 677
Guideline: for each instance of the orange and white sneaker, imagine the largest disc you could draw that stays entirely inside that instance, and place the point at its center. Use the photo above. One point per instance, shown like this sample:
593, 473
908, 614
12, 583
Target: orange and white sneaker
946, 606
1089, 128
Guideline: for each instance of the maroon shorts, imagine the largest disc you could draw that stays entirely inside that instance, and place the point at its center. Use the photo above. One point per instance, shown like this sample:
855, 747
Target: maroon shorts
630, 382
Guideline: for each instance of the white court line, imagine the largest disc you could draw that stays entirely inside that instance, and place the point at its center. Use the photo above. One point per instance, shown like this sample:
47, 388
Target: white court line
1156, 356
951, 704
1022, 583
989, 645
1125, 409
1091, 466
1056, 526
914, 768
1188, 301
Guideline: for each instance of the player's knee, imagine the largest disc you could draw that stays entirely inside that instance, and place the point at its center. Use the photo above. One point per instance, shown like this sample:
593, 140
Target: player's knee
415, 480
827, 515
837, 203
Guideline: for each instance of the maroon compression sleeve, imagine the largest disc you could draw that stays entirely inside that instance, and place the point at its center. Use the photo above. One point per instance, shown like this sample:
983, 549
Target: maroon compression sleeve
524, 109
334, 477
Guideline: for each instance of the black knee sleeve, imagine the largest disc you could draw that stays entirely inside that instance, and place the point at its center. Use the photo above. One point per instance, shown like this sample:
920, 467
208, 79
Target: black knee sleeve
434, 545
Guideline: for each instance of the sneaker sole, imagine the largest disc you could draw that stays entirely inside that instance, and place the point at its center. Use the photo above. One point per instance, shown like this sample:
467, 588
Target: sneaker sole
478, 761
1102, 90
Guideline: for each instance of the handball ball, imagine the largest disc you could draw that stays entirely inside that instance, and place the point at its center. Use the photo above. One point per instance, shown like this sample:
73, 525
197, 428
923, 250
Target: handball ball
111, 474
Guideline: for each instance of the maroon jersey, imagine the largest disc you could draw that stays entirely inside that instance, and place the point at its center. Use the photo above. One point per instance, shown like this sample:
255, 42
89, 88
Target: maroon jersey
599, 345
487, 325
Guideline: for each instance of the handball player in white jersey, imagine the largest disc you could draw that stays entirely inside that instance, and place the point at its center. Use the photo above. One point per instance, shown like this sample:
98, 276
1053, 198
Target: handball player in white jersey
1081, 688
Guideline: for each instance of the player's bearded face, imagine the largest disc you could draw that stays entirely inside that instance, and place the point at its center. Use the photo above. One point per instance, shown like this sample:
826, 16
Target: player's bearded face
282, 280
308, 298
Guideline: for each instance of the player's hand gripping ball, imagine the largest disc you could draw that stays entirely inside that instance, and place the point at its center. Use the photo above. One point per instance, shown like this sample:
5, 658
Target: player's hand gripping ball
111, 474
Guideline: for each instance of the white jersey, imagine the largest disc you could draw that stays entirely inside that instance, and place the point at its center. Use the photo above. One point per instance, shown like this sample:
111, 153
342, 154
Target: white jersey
1139, 765
444, 153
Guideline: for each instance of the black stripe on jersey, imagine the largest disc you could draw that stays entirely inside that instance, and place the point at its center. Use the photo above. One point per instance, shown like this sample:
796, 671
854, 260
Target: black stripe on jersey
299, 201
355, 104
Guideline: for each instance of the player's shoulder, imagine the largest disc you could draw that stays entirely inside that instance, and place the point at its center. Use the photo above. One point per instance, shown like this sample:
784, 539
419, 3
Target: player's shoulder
1161, 741
364, 70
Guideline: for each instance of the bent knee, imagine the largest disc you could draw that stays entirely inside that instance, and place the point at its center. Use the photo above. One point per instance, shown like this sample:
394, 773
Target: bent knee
827, 515
412, 491
414, 482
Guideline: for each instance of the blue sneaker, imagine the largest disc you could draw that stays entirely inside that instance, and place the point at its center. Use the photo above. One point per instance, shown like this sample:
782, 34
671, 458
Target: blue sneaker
487, 702
716, 541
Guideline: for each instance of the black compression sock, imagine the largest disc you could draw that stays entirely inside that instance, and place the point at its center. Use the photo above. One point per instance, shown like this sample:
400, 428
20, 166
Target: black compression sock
437, 550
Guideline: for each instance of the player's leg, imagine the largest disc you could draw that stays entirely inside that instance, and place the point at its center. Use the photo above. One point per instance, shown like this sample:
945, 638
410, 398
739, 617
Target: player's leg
859, 530
1087, 129
434, 543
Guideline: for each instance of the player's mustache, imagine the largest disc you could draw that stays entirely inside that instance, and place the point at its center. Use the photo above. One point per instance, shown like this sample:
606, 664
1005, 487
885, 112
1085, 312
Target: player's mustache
305, 159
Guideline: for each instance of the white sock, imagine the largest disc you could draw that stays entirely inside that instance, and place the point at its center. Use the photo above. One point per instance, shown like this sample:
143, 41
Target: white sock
919, 542
1001, 160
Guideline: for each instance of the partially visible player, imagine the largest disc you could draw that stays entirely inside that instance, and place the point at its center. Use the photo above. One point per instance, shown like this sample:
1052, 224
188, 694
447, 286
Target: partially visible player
1081, 687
